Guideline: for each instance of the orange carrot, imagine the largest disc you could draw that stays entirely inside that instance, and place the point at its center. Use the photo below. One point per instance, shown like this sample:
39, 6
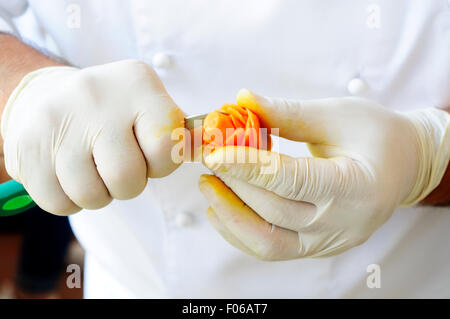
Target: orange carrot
232, 125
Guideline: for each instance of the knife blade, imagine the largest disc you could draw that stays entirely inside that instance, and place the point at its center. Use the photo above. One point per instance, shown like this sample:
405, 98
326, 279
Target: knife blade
194, 121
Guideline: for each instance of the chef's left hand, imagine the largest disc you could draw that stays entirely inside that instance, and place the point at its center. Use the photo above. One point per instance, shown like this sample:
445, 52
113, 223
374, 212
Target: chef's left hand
367, 161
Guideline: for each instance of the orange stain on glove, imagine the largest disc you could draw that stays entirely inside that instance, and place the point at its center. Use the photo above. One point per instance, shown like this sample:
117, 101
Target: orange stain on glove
232, 125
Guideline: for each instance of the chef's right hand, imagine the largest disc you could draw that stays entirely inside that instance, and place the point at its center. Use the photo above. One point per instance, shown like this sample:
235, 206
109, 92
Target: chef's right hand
367, 160
79, 138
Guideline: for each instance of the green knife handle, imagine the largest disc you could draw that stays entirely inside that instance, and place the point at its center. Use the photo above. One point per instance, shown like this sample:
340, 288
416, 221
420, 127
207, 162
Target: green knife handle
14, 199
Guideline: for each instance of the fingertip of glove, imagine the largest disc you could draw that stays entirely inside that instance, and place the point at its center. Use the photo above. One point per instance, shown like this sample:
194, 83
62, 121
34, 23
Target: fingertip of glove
213, 188
214, 159
210, 213
222, 159
204, 180
247, 98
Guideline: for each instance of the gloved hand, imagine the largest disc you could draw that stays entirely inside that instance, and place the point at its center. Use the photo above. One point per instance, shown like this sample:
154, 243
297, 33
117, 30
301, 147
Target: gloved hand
78, 138
367, 161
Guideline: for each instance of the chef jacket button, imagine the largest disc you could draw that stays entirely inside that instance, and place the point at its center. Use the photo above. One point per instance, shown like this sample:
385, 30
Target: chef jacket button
183, 220
357, 86
161, 61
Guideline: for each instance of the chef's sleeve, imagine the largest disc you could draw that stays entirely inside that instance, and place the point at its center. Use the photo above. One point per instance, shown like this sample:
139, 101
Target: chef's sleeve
9, 9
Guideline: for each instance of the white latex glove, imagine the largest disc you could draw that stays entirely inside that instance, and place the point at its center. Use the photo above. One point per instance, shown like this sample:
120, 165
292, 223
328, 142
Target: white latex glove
367, 161
78, 138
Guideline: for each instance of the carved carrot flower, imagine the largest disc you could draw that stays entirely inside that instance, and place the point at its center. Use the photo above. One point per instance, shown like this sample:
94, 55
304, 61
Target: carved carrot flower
232, 125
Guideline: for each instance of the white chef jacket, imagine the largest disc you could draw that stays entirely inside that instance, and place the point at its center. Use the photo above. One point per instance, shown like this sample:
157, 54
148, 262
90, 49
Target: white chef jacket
160, 243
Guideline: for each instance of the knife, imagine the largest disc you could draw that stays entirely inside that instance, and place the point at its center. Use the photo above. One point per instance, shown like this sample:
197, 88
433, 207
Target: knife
194, 121
14, 199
